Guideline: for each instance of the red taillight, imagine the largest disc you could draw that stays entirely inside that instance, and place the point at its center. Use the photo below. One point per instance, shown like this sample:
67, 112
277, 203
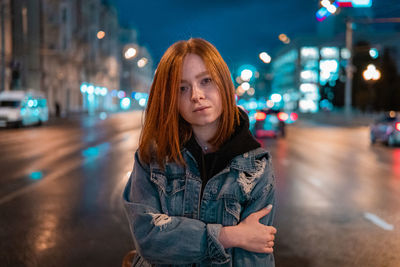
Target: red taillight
294, 116
260, 116
398, 126
282, 116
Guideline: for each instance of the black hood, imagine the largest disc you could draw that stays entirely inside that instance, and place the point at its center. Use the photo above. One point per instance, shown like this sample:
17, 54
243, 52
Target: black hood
240, 142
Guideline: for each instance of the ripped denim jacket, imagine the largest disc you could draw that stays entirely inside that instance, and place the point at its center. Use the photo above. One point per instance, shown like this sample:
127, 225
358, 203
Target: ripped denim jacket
172, 226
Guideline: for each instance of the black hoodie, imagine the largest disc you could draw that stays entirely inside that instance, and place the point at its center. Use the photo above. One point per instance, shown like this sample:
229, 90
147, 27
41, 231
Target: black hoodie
240, 142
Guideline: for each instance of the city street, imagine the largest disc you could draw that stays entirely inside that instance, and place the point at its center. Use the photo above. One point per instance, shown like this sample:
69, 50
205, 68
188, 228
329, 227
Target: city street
338, 197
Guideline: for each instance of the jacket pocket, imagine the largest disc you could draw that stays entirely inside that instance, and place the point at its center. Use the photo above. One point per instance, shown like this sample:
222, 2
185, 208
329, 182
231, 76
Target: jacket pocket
232, 209
171, 191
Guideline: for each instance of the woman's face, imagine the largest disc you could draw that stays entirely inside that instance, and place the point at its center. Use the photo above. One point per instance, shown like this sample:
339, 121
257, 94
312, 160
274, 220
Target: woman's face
199, 97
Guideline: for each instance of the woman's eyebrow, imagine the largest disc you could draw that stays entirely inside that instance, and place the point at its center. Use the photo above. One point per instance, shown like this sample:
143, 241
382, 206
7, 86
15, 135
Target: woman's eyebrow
204, 73
201, 74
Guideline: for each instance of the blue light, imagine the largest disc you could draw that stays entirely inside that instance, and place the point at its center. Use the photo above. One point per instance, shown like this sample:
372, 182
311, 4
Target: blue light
142, 102
104, 91
90, 89
125, 103
362, 3
138, 96
36, 175
373, 52
83, 88
90, 152
322, 14
103, 116
97, 90
249, 68
30, 103
121, 94
95, 151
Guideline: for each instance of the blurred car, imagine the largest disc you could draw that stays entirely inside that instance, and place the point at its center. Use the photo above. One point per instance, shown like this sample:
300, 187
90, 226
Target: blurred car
20, 108
386, 129
271, 123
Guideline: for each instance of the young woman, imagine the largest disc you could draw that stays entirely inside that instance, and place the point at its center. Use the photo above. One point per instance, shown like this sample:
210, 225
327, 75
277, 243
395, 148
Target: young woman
201, 192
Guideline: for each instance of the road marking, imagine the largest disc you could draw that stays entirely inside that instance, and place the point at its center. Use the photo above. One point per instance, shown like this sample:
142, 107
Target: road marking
378, 221
60, 172
315, 181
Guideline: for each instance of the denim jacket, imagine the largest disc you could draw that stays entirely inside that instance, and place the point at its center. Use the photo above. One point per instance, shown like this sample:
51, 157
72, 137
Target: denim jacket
172, 226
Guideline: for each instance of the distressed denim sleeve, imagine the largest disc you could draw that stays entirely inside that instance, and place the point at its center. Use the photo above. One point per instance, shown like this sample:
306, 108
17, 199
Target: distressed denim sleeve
262, 195
163, 239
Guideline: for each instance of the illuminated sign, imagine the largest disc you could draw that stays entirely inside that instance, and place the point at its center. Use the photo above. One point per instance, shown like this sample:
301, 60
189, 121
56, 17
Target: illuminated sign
325, 12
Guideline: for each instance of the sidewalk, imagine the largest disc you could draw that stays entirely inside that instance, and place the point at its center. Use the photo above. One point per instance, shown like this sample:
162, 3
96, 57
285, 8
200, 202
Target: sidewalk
338, 119
84, 115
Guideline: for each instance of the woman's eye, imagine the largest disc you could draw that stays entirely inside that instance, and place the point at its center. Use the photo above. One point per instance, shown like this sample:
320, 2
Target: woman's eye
206, 81
183, 88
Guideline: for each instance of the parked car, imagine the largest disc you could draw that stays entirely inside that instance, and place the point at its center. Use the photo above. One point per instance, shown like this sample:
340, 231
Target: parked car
386, 129
20, 108
271, 123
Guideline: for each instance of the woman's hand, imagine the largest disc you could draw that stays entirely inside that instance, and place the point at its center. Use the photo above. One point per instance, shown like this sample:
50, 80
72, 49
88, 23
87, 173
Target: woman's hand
250, 234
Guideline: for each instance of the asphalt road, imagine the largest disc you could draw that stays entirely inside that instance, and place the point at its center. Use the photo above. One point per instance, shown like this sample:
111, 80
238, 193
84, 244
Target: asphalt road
61, 185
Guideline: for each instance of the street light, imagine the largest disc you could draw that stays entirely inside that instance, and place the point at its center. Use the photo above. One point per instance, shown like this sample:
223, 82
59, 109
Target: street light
246, 75
371, 73
283, 37
142, 62
265, 57
130, 53
101, 35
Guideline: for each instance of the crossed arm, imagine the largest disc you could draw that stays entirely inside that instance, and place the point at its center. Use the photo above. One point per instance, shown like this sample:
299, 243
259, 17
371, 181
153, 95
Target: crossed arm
185, 240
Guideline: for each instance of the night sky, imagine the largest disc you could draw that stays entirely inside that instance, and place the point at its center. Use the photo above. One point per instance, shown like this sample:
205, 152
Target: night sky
239, 29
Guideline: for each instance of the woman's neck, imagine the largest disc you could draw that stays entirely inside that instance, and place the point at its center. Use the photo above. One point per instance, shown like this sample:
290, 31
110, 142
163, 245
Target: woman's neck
202, 136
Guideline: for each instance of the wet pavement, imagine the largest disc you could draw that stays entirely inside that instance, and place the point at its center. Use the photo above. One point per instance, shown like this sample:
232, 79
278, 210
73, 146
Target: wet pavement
61, 184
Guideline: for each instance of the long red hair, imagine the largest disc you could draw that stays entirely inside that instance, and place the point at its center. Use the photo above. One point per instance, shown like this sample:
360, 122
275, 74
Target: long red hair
164, 130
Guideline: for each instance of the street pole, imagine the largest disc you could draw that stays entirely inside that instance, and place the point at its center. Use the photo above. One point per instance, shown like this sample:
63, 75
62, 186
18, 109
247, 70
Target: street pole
3, 54
349, 68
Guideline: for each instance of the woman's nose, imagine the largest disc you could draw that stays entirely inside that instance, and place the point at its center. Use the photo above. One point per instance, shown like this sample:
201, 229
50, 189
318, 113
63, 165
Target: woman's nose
197, 93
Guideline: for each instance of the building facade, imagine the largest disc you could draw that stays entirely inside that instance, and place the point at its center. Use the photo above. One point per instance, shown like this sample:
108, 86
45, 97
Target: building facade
62, 48
5, 45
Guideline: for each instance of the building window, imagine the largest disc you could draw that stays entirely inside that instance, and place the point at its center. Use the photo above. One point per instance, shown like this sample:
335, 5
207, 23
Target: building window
24, 13
65, 33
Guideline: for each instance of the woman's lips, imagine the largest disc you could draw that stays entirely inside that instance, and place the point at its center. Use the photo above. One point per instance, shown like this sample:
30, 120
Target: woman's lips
200, 109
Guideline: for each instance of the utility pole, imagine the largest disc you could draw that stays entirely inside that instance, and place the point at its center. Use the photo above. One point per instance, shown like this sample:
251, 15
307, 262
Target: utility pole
349, 68
349, 46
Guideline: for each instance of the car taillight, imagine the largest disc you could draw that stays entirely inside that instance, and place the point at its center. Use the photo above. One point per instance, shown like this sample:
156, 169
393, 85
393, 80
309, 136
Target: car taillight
282, 116
294, 116
260, 116
398, 126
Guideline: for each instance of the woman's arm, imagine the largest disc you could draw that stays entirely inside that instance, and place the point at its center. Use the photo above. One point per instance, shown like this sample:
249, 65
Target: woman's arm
250, 234
164, 239
253, 238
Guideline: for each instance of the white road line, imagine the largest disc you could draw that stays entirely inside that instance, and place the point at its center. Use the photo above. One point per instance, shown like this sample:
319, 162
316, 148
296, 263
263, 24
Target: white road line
378, 221
315, 181
60, 172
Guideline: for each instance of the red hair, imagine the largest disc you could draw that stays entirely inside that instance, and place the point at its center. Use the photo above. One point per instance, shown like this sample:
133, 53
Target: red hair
165, 131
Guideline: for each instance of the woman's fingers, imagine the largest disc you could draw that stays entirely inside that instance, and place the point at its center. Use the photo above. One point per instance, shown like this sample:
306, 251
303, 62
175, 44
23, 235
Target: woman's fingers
273, 230
263, 212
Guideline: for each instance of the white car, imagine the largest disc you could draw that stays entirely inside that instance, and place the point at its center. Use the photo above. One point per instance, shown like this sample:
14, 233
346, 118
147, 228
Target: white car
20, 108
